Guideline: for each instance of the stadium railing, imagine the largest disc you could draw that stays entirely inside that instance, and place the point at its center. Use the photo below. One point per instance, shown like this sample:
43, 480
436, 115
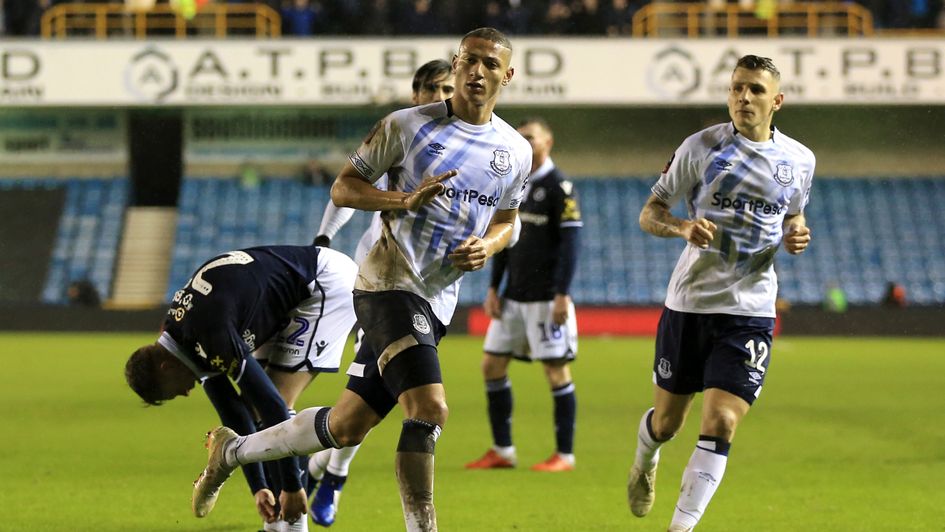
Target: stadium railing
212, 20
703, 19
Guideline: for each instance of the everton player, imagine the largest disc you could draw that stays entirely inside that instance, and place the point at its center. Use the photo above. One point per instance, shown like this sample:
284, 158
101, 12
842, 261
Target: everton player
534, 320
289, 304
456, 173
745, 184
432, 82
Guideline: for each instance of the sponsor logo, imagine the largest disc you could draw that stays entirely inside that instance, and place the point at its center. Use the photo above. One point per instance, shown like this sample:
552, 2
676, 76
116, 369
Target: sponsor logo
784, 174
722, 164
250, 339
470, 196
421, 324
319, 347
740, 204
151, 75
501, 162
664, 369
435, 149
533, 218
675, 73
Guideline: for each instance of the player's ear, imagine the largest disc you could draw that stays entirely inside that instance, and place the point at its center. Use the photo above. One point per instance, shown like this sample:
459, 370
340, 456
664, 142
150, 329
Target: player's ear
508, 76
778, 101
453, 63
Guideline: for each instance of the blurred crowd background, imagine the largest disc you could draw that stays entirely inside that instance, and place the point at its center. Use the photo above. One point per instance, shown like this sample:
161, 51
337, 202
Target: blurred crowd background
517, 17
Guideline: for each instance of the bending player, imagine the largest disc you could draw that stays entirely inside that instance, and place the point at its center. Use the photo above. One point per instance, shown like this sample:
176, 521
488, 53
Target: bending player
297, 296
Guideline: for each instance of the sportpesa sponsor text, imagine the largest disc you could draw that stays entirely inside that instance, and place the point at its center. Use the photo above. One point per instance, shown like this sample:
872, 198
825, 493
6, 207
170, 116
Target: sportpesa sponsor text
470, 196
753, 205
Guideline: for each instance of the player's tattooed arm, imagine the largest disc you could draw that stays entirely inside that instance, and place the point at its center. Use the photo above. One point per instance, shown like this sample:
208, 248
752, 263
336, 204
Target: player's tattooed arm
796, 234
656, 219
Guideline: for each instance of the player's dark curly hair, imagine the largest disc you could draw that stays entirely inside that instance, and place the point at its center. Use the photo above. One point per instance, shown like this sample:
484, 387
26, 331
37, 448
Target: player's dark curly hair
756, 62
430, 70
141, 373
489, 34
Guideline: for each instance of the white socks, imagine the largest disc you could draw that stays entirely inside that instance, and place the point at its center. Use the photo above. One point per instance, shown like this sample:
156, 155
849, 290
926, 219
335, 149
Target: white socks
335, 461
295, 437
648, 447
700, 480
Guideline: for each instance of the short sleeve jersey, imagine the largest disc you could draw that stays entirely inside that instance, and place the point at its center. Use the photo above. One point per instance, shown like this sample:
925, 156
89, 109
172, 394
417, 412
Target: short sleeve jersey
550, 205
746, 188
412, 144
235, 302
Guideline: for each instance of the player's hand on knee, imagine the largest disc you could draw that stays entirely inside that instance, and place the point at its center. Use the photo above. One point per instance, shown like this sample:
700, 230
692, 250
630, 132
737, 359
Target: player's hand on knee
796, 239
427, 190
293, 505
266, 505
699, 232
470, 255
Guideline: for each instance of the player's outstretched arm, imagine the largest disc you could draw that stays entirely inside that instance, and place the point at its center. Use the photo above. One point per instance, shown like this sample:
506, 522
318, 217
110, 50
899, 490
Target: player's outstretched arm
352, 190
796, 234
656, 219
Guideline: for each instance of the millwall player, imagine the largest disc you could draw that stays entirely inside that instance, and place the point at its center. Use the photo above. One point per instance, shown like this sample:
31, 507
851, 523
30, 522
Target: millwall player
297, 296
432, 82
456, 174
745, 184
535, 318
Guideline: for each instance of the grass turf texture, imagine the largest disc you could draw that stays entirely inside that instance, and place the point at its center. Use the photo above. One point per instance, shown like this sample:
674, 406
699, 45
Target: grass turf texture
844, 437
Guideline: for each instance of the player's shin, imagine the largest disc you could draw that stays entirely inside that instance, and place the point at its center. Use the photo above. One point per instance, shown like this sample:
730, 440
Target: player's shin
648, 446
700, 480
414, 466
304, 434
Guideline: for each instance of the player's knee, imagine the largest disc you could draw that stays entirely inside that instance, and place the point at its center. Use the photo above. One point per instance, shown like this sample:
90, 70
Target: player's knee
434, 410
666, 426
494, 367
720, 423
557, 373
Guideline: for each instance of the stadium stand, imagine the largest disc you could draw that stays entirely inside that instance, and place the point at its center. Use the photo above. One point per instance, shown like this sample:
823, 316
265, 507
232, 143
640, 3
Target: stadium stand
893, 236
87, 240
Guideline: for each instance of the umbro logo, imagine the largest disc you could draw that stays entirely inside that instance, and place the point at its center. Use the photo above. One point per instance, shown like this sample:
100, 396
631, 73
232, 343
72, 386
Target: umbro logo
722, 164
435, 149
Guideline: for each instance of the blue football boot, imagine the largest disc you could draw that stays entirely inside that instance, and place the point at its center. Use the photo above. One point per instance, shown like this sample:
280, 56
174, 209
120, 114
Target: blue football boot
325, 503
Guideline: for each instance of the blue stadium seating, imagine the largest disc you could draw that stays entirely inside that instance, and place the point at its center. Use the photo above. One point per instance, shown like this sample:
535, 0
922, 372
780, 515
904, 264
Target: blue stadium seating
866, 233
89, 233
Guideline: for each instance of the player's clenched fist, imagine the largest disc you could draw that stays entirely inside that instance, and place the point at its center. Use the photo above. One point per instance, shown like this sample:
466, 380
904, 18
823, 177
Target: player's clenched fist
698, 232
427, 190
470, 255
797, 239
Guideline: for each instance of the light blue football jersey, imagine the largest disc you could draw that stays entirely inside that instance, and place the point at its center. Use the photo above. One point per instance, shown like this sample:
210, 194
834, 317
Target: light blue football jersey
412, 144
746, 188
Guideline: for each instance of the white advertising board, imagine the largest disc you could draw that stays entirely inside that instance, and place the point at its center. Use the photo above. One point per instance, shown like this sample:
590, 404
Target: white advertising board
549, 72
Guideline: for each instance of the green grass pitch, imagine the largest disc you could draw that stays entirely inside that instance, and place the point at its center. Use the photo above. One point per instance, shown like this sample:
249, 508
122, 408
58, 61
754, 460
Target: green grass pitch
847, 435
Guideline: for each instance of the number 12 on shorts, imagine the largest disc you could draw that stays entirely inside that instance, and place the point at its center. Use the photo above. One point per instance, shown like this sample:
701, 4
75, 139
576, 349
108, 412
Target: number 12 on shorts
757, 356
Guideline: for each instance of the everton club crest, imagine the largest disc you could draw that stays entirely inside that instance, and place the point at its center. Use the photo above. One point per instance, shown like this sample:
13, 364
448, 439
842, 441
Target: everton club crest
501, 162
784, 174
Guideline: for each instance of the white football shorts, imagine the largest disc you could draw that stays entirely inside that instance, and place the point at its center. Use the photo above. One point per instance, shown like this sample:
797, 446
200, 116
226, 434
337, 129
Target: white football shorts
526, 331
318, 328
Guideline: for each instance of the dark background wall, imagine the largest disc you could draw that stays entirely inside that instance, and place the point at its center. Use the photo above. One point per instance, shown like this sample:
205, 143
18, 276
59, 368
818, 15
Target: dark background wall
30, 219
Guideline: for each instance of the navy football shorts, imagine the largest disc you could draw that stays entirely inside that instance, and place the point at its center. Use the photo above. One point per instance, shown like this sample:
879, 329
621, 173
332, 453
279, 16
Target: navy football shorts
699, 351
393, 321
